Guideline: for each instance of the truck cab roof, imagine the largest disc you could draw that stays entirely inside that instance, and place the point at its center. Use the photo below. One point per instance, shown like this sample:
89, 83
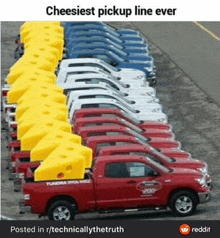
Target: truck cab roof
131, 158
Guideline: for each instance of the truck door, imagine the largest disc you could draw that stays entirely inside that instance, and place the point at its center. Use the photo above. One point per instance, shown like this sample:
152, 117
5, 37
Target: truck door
128, 185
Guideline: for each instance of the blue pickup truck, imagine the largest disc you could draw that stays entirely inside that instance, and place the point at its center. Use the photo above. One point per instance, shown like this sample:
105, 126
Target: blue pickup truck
75, 26
91, 32
125, 54
120, 50
120, 44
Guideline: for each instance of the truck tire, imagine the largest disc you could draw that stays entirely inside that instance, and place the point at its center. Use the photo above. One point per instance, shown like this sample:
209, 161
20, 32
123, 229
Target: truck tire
61, 210
183, 203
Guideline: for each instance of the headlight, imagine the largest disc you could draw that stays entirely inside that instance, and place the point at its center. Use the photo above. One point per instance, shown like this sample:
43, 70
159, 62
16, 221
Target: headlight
149, 69
162, 120
150, 94
204, 170
156, 110
201, 181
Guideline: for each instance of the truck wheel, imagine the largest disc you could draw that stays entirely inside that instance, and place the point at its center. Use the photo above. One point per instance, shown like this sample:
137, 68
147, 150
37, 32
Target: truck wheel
61, 210
183, 203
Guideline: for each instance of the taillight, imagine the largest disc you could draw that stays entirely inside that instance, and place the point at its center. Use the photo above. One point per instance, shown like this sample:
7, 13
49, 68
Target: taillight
13, 127
4, 92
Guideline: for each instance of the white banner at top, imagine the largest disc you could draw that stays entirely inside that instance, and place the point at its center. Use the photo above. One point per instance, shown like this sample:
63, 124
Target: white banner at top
155, 10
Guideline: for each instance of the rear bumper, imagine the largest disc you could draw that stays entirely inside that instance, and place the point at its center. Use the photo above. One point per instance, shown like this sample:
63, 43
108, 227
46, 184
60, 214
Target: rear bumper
204, 197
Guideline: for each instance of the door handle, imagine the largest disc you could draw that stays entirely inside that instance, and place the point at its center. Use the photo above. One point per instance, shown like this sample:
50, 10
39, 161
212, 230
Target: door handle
131, 182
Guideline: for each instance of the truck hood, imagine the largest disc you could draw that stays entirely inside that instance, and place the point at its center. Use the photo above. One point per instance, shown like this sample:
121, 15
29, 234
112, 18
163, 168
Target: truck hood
177, 172
190, 162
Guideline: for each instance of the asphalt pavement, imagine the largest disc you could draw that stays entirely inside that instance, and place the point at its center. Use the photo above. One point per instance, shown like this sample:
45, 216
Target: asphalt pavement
194, 47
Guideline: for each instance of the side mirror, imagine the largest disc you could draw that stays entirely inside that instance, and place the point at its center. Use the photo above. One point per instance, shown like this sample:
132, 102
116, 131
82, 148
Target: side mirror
113, 63
153, 173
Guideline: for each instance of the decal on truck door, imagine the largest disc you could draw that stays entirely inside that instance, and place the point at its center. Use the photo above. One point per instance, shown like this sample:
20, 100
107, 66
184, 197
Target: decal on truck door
148, 188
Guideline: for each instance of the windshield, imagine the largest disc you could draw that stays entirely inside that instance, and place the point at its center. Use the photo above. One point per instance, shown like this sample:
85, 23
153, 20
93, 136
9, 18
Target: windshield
108, 80
110, 66
105, 105
161, 167
94, 32
126, 106
93, 65
108, 87
99, 95
100, 53
115, 56
134, 133
99, 39
95, 44
156, 152
71, 95
118, 51
62, 78
135, 120
132, 126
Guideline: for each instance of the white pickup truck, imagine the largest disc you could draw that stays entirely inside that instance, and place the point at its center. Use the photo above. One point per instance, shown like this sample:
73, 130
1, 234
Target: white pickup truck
84, 89
112, 103
131, 87
65, 72
123, 73
138, 103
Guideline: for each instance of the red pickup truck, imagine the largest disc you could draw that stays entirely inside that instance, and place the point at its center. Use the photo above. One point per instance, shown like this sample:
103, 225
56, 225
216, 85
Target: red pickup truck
17, 155
97, 121
22, 163
13, 135
167, 157
89, 131
97, 112
24, 168
143, 149
97, 142
118, 183
13, 163
14, 146
108, 123
14, 151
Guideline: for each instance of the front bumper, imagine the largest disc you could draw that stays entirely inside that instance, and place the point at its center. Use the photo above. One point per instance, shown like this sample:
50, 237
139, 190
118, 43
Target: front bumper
204, 197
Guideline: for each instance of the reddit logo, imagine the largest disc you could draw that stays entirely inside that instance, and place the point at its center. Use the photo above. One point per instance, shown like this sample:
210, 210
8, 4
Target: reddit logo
185, 229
